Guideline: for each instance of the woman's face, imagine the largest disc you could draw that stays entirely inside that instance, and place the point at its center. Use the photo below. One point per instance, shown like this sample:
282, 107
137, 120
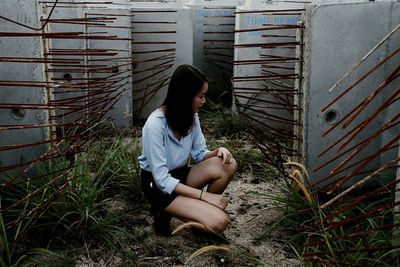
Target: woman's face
200, 98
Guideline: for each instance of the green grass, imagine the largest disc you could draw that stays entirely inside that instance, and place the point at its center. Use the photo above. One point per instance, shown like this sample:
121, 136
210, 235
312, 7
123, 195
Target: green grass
72, 201
303, 222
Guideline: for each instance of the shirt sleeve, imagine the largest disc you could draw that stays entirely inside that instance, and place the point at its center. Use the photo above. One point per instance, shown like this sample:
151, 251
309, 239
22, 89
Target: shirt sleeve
154, 149
199, 147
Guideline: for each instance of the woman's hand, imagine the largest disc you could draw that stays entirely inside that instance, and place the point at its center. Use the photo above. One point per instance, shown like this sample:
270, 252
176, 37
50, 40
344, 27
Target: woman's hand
215, 199
225, 155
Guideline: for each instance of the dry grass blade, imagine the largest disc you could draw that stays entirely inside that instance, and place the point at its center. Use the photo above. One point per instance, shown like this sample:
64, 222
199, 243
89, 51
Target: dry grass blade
191, 224
207, 249
299, 179
292, 163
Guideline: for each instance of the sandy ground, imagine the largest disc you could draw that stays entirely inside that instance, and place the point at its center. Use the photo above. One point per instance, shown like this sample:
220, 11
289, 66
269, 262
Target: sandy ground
249, 214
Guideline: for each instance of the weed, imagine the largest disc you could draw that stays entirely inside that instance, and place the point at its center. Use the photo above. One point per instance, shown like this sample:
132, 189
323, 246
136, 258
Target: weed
332, 236
68, 200
221, 122
116, 161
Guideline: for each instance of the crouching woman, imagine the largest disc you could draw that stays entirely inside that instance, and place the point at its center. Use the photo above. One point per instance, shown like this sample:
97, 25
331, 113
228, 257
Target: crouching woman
170, 135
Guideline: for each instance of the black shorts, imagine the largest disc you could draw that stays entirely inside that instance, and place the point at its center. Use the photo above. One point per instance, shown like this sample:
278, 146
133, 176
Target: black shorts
158, 199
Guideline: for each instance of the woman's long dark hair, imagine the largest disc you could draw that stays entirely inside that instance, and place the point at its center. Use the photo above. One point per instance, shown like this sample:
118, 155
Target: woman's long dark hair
185, 84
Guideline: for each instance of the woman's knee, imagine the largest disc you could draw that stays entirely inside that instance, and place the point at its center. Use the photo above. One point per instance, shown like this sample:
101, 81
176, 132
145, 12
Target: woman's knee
232, 168
218, 223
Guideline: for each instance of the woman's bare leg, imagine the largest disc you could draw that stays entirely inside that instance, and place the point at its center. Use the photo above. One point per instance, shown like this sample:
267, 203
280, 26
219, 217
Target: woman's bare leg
217, 176
213, 173
189, 209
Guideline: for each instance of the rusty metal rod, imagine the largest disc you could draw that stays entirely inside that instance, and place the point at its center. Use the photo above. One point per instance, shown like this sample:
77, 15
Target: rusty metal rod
218, 41
354, 202
37, 106
271, 11
165, 66
39, 60
265, 100
222, 68
153, 42
273, 131
387, 103
151, 75
270, 27
266, 66
354, 250
212, 53
291, 45
154, 51
267, 115
160, 80
368, 120
263, 61
222, 17
219, 61
347, 168
363, 143
219, 24
388, 165
258, 78
154, 11
277, 36
221, 32
351, 235
152, 22
159, 58
364, 58
153, 32
39, 34
4, 127
360, 79
355, 218
249, 90
368, 100
363, 164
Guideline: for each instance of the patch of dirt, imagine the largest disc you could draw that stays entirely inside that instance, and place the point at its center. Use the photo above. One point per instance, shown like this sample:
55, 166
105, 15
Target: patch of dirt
248, 212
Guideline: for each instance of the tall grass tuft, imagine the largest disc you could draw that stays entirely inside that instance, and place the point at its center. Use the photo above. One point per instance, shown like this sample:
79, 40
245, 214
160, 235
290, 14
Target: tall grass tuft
71, 200
221, 122
339, 235
237, 250
116, 162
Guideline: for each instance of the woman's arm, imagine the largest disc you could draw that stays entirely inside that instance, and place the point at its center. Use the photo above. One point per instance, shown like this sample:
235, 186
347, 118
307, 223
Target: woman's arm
222, 153
211, 198
156, 155
199, 150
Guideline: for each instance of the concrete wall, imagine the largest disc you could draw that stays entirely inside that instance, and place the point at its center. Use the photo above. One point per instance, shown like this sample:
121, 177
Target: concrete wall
121, 113
60, 74
337, 36
161, 41
118, 28
250, 20
25, 12
213, 40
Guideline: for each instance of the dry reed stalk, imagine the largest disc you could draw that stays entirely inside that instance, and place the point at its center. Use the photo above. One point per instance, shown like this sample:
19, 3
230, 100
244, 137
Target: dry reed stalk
207, 249
298, 177
192, 224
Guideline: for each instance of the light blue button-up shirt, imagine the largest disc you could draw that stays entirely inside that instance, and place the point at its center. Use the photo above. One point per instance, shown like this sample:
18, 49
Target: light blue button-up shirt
162, 151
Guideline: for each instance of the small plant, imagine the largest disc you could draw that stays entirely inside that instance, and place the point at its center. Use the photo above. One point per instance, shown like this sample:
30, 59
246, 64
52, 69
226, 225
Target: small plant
236, 250
221, 122
69, 198
342, 234
116, 162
